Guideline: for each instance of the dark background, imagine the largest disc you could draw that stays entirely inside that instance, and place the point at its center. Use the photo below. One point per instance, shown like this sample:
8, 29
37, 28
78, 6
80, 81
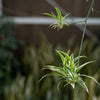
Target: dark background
31, 33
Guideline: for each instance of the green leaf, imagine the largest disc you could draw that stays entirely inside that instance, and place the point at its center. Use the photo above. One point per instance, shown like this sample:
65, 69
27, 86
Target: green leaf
51, 74
66, 24
73, 85
81, 66
66, 85
66, 55
61, 56
72, 57
45, 76
76, 59
58, 13
50, 15
66, 58
54, 15
70, 72
90, 78
54, 68
68, 52
65, 16
59, 83
82, 83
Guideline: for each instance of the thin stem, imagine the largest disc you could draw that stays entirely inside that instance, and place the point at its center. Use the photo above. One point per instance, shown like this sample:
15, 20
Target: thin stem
96, 11
91, 6
77, 22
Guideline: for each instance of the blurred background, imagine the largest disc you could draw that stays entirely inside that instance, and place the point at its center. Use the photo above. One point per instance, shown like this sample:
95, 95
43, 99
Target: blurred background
27, 43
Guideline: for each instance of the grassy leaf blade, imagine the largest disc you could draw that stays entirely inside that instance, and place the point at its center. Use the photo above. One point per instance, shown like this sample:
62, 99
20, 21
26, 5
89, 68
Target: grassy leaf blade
51, 74
66, 55
66, 58
90, 78
76, 59
70, 72
53, 16
82, 83
54, 68
58, 13
81, 66
65, 16
61, 56
73, 85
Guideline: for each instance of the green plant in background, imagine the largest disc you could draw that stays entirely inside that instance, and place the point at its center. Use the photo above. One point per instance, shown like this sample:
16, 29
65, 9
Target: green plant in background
34, 59
7, 47
71, 66
9, 60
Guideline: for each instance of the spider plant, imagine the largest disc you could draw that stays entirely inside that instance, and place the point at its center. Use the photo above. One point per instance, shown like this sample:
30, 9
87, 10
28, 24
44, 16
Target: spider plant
60, 20
69, 71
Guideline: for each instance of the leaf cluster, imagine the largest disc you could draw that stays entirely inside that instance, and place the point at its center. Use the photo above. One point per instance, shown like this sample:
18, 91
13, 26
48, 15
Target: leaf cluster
60, 20
69, 71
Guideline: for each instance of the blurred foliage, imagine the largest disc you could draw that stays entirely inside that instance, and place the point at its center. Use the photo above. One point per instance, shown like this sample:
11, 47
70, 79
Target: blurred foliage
20, 70
9, 61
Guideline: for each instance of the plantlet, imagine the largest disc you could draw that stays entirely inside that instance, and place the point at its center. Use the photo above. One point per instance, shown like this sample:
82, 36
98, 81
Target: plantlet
60, 20
69, 71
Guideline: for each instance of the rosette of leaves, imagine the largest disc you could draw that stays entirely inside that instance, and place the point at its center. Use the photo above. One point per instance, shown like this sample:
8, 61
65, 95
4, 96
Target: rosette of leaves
69, 71
60, 20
